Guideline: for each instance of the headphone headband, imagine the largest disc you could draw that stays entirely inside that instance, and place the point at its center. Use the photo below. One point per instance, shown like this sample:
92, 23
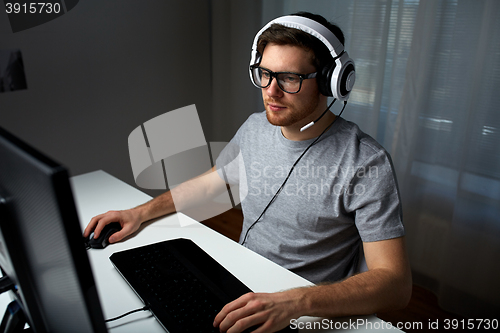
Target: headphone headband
309, 26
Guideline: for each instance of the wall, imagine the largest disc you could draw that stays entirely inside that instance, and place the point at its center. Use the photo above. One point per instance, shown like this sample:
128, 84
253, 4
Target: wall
99, 71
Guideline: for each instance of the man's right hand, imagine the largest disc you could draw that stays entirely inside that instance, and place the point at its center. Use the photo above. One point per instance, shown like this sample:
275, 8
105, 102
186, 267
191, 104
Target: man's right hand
128, 219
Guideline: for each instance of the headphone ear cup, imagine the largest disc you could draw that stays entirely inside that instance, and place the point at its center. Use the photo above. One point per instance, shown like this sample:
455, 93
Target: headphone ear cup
255, 59
347, 80
343, 77
324, 79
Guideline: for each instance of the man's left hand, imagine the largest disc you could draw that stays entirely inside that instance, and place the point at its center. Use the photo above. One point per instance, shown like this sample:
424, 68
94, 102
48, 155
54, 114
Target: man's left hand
266, 312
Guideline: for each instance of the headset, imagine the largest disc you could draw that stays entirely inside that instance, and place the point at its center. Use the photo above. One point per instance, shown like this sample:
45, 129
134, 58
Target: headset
337, 77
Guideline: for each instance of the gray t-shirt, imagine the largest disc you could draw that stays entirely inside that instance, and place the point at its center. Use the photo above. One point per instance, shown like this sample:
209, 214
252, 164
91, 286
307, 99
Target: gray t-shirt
342, 192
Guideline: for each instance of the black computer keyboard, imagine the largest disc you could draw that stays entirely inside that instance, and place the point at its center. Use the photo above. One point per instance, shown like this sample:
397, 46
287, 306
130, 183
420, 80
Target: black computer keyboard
184, 287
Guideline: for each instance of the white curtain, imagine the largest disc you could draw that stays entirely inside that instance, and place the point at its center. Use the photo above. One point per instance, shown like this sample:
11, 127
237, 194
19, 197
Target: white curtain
428, 89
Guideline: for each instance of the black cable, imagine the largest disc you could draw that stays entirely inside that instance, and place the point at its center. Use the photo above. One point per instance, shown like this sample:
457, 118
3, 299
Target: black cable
290, 172
128, 313
324, 112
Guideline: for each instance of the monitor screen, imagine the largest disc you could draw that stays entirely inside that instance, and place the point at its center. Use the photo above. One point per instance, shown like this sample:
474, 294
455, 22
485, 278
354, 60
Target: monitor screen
41, 245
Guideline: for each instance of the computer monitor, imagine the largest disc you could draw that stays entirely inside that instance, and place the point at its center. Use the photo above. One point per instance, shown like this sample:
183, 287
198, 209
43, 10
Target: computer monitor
41, 245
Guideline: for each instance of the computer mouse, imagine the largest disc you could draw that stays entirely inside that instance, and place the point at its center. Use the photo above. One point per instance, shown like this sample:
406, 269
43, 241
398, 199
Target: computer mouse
103, 240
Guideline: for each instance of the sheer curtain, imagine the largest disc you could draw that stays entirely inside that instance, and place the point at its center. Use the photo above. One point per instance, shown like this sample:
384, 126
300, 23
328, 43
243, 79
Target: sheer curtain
428, 88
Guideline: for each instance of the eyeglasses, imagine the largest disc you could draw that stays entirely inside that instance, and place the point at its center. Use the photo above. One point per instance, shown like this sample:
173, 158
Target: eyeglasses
287, 81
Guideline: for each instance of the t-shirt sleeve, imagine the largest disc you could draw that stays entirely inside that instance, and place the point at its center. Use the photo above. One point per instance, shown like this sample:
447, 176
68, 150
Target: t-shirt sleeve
373, 198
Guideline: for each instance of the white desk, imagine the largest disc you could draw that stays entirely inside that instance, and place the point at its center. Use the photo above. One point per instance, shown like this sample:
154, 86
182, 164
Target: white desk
98, 192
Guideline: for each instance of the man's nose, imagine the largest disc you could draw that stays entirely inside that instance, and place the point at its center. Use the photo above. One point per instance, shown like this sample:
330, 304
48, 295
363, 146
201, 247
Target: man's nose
273, 89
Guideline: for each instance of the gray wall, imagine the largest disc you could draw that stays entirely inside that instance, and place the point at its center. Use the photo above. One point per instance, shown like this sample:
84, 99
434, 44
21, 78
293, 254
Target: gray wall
105, 67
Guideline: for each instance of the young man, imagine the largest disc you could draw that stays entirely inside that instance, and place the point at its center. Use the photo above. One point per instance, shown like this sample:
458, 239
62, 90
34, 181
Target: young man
315, 196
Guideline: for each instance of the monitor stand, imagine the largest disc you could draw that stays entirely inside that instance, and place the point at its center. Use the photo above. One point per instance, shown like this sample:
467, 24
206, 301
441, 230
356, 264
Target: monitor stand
14, 320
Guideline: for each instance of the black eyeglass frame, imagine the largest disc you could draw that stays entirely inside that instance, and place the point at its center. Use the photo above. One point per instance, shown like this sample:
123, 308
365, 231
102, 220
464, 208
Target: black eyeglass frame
275, 75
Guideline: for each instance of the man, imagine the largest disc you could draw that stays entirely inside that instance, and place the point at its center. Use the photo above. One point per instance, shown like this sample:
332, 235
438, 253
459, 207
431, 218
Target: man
314, 195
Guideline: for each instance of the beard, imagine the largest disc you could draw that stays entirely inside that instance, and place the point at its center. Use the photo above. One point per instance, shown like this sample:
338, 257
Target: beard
292, 114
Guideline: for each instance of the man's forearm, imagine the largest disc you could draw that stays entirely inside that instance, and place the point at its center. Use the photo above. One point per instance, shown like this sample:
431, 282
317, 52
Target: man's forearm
159, 206
366, 293
188, 194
